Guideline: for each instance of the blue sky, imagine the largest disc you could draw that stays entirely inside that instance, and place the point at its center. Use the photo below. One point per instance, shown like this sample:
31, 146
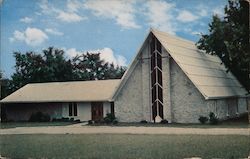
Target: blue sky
115, 28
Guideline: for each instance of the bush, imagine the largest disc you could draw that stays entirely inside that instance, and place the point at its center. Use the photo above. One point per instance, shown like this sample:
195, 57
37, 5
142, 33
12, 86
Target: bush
39, 117
115, 121
71, 119
109, 118
65, 119
214, 120
77, 121
164, 121
203, 119
143, 122
90, 122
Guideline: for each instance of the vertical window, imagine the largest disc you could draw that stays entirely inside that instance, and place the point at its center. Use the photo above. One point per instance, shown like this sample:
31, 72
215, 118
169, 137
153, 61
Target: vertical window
237, 106
112, 108
75, 109
70, 109
156, 78
159, 62
158, 45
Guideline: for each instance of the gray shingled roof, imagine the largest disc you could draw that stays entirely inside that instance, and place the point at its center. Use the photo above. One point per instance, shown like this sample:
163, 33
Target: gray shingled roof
206, 72
82, 91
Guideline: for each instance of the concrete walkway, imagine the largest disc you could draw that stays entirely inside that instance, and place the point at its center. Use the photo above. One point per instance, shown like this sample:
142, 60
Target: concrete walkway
79, 129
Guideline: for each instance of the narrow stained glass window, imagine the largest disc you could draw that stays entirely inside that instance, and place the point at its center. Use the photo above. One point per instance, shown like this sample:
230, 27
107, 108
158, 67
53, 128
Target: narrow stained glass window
70, 109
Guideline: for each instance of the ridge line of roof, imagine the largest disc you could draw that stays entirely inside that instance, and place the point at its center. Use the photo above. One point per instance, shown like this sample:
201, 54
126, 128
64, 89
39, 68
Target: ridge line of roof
54, 82
173, 36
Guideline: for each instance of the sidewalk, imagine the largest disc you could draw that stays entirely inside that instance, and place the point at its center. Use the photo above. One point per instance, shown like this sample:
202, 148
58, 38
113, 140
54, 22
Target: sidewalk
79, 129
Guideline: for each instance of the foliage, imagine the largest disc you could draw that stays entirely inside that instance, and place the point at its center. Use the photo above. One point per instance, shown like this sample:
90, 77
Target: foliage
143, 122
4, 83
203, 119
109, 118
213, 119
46, 67
51, 65
90, 122
228, 38
164, 121
115, 121
89, 66
39, 117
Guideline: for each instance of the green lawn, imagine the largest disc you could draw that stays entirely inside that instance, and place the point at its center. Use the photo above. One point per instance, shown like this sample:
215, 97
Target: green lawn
6, 125
124, 146
205, 126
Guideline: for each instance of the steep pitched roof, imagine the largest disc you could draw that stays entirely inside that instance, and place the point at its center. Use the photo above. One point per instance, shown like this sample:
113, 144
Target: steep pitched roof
206, 72
78, 91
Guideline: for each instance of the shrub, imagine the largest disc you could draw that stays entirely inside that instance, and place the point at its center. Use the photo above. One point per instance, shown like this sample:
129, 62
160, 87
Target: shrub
65, 119
77, 121
90, 122
164, 121
115, 121
213, 119
109, 118
203, 119
39, 117
143, 122
71, 119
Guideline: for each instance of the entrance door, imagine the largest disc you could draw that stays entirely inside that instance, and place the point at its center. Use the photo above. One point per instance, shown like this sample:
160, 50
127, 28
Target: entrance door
97, 111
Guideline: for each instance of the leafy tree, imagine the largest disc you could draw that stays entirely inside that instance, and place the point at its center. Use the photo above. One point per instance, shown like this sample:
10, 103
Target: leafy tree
89, 66
47, 67
4, 83
51, 65
228, 38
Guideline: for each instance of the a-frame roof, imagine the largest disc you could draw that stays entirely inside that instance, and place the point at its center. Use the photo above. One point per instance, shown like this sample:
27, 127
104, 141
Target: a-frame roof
206, 72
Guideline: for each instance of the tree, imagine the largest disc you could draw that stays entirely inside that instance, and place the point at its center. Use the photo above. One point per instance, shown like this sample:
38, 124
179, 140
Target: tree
51, 65
89, 66
228, 38
46, 67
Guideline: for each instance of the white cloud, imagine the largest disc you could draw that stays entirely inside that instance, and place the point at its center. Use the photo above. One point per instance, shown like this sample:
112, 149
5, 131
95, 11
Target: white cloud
122, 11
26, 20
31, 36
203, 12
72, 52
45, 7
186, 16
218, 11
106, 54
53, 31
73, 5
160, 15
65, 16
69, 17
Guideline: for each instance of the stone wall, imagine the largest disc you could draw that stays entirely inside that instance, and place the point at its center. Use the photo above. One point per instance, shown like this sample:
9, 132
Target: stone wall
22, 112
146, 86
182, 101
188, 103
128, 103
166, 86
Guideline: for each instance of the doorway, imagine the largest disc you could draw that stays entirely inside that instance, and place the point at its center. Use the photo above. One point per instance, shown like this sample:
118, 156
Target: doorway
97, 111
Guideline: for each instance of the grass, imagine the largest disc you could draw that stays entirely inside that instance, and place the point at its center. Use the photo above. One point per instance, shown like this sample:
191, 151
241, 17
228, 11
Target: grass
6, 125
176, 125
124, 146
228, 124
